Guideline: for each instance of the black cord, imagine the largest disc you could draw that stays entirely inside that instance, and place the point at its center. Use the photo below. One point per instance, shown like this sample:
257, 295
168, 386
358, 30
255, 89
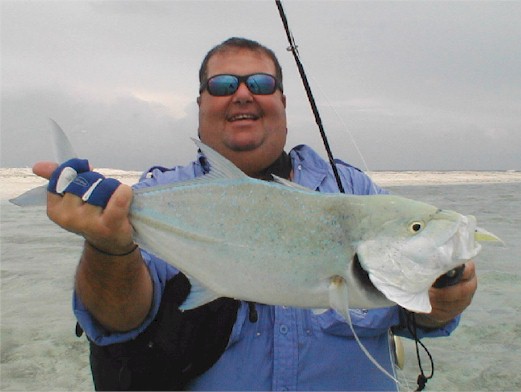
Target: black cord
253, 316
412, 327
318, 120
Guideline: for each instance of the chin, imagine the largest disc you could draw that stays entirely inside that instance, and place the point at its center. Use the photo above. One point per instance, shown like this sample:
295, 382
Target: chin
244, 143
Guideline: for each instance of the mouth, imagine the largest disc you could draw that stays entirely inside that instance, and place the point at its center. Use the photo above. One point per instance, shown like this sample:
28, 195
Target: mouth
363, 282
242, 117
362, 276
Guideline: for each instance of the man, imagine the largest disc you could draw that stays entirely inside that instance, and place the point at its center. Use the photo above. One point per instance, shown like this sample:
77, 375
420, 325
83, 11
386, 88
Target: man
120, 298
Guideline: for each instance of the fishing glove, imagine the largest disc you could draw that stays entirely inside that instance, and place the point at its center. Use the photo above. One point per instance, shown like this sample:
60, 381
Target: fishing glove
74, 176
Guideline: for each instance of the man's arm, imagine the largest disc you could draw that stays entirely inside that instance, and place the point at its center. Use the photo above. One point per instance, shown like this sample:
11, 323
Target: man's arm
116, 290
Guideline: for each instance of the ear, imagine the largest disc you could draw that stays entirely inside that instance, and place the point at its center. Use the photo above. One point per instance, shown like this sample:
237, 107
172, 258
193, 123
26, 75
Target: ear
198, 100
283, 98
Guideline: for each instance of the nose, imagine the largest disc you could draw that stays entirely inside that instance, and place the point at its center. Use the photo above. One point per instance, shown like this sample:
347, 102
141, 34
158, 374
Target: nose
243, 94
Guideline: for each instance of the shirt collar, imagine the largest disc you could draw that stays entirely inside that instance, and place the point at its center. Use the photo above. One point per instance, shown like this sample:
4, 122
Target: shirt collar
309, 169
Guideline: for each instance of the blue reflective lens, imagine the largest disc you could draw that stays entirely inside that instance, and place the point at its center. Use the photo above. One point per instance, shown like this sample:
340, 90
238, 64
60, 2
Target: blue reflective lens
223, 85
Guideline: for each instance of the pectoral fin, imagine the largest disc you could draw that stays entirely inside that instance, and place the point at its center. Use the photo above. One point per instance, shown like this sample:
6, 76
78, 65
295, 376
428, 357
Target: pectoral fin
199, 296
338, 296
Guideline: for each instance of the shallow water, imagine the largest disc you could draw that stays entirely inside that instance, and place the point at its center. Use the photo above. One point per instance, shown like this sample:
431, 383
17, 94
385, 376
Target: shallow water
484, 353
39, 350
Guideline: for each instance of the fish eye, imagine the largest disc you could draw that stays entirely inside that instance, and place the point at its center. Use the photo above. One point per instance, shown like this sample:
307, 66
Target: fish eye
416, 226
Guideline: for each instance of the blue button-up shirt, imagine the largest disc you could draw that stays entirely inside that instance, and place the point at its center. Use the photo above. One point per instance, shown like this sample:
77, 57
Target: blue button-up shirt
287, 348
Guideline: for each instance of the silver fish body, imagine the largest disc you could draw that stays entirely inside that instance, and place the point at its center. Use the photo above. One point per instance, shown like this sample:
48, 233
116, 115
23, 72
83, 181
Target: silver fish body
274, 243
281, 244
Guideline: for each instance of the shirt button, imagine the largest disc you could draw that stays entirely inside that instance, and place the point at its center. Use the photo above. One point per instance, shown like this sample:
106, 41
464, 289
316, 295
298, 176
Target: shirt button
283, 329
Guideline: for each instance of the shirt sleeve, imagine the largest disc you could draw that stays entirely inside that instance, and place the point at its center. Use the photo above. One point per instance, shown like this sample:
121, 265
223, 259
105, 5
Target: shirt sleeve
402, 329
160, 273
357, 182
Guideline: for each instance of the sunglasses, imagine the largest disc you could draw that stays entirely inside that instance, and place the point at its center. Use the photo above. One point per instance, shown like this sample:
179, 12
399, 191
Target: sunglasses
224, 85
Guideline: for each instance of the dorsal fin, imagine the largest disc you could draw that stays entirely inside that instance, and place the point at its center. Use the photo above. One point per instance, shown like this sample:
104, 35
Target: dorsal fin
220, 167
290, 184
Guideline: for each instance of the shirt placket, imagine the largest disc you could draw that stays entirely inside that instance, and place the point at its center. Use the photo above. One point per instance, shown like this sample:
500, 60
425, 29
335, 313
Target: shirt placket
285, 350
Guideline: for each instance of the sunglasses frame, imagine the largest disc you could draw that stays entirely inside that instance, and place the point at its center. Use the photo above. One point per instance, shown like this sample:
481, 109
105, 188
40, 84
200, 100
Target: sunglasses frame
240, 79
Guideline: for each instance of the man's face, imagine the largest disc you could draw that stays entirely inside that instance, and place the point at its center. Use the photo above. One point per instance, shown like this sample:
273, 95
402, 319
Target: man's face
248, 129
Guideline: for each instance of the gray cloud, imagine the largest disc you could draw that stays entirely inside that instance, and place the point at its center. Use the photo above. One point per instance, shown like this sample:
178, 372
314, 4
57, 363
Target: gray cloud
418, 85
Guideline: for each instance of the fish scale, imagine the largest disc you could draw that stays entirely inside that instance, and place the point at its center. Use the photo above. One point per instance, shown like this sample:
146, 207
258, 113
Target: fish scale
281, 244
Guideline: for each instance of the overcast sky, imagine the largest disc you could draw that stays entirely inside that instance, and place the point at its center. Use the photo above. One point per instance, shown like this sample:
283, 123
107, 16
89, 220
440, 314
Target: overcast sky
415, 85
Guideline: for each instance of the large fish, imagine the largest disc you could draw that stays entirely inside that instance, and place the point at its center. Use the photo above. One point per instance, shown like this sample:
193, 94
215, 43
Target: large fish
281, 244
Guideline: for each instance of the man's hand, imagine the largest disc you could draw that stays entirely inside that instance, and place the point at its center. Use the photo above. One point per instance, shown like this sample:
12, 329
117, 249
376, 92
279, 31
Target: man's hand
108, 228
448, 302
112, 281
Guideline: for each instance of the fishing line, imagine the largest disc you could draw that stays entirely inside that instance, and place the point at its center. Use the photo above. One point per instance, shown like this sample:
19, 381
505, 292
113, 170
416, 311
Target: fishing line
343, 124
293, 48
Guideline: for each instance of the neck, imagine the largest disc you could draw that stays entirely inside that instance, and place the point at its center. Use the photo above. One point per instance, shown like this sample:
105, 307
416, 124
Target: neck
281, 167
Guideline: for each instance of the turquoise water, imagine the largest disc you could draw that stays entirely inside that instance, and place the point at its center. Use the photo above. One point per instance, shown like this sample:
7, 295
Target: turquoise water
39, 350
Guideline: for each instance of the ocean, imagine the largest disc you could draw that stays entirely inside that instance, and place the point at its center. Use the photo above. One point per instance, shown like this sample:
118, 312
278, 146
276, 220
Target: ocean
40, 351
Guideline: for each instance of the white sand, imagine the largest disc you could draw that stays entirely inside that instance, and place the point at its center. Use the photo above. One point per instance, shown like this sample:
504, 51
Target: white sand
394, 178
15, 181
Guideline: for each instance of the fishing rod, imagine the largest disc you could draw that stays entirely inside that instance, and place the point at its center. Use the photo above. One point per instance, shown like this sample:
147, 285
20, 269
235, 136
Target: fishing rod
293, 48
411, 321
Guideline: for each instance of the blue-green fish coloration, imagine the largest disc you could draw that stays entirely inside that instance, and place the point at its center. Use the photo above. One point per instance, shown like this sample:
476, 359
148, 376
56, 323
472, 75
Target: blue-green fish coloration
281, 244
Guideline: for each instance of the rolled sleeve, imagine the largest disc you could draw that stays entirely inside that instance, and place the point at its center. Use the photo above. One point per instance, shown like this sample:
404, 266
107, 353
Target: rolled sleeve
160, 273
422, 332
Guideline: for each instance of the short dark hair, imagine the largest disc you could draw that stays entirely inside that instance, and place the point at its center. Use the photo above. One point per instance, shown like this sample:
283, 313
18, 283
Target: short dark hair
239, 43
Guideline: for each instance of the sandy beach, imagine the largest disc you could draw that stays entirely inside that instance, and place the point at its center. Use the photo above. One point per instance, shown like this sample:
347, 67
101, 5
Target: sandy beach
15, 181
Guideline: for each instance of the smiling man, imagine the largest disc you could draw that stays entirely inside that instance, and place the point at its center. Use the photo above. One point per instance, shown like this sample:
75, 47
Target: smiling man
247, 127
127, 300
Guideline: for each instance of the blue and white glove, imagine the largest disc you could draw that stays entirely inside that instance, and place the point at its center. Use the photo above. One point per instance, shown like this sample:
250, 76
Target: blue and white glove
74, 176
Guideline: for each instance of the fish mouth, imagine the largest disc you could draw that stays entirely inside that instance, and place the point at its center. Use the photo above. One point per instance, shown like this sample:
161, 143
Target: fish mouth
367, 291
362, 276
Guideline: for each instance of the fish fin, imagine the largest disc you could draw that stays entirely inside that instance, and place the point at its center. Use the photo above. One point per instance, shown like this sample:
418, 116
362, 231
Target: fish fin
199, 296
220, 167
338, 296
33, 197
63, 151
288, 183
482, 235
339, 301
